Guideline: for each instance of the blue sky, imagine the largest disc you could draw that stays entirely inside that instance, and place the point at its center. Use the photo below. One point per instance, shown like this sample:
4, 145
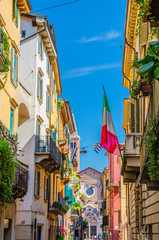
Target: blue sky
89, 34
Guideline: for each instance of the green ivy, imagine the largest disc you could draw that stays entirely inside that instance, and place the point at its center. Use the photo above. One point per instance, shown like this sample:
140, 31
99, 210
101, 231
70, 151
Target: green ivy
151, 145
6, 53
135, 89
7, 172
144, 12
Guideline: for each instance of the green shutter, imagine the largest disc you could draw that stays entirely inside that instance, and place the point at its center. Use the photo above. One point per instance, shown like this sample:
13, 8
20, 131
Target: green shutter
15, 65
49, 103
41, 90
11, 122
38, 83
16, 9
38, 44
47, 64
38, 183
12, 68
54, 136
17, 70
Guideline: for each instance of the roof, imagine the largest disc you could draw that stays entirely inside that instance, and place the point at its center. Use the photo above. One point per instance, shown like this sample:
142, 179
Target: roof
29, 4
89, 168
33, 14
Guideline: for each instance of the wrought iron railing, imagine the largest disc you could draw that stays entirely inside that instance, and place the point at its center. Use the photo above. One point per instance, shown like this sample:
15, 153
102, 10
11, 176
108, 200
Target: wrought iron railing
45, 144
20, 182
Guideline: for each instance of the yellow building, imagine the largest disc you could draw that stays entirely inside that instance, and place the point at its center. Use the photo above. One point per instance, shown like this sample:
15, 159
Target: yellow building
140, 220
10, 12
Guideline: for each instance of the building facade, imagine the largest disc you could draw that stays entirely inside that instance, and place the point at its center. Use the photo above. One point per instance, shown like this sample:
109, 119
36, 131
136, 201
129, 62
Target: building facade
91, 188
10, 14
141, 217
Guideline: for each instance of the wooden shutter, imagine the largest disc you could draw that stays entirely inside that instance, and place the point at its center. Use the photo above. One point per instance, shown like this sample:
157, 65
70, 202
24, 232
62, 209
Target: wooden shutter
38, 183
38, 84
45, 188
49, 104
132, 118
12, 68
143, 34
137, 116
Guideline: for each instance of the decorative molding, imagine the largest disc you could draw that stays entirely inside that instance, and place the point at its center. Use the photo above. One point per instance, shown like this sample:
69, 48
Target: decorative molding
39, 119
13, 102
2, 22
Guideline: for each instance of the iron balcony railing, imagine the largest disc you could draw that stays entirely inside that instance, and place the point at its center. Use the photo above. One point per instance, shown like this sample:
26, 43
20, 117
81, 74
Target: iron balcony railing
45, 144
20, 182
61, 200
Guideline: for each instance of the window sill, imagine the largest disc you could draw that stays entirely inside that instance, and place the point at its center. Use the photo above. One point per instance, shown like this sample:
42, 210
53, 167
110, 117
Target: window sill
37, 197
46, 201
39, 100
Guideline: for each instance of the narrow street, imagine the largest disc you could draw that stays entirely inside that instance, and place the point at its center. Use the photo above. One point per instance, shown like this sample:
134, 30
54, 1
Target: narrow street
79, 120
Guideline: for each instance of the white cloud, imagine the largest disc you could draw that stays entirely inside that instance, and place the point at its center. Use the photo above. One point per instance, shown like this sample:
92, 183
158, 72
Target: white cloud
101, 37
78, 72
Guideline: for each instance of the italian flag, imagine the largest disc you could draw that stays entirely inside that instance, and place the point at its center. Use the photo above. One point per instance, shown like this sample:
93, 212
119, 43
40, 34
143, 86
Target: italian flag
109, 139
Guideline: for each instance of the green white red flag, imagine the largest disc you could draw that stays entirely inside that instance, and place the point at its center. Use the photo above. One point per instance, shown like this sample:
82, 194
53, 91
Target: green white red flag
109, 139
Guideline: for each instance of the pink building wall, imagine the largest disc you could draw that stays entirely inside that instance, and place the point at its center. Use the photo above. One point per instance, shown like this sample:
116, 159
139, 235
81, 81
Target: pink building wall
113, 199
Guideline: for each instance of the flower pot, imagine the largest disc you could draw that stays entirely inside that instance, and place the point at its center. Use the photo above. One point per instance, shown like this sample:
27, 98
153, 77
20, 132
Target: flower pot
145, 88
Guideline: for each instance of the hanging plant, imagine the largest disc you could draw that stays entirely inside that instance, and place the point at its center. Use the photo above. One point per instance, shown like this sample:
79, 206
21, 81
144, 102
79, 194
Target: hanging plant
69, 201
60, 104
7, 172
57, 205
67, 197
59, 236
150, 63
6, 52
76, 206
135, 89
145, 15
151, 146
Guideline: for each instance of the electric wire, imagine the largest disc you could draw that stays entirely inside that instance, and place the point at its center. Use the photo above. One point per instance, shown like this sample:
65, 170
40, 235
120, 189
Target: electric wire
55, 6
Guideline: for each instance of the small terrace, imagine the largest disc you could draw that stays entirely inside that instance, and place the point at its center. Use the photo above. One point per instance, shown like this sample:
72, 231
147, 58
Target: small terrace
59, 206
47, 153
130, 167
20, 182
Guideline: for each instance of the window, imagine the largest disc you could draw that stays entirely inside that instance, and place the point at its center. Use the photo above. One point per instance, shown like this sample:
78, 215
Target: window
11, 122
15, 12
39, 86
71, 145
74, 144
89, 191
37, 183
37, 128
14, 68
23, 33
48, 102
40, 48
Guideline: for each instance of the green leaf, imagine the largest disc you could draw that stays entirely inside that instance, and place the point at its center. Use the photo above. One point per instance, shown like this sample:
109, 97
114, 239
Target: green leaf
150, 76
145, 60
156, 73
145, 68
150, 52
153, 43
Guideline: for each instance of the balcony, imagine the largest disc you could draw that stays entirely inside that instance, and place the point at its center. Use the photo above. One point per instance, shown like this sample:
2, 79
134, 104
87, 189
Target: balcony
130, 167
47, 153
58, 210
20, 182
65, 178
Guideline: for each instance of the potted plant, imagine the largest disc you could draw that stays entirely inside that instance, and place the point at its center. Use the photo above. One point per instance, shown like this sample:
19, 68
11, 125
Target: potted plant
150, 63
76, 206
59, 236
67, 197
57, 205
69, 201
